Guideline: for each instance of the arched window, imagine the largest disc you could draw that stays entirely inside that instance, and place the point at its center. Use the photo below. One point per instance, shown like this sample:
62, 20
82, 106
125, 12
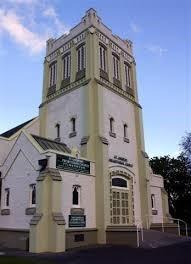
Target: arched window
7, 197
76, 195
57, 126
125, 130
73, 121
111, 123
33, 194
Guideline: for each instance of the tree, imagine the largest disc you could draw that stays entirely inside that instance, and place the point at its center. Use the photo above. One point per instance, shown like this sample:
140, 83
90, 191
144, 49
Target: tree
177, 183
186, 149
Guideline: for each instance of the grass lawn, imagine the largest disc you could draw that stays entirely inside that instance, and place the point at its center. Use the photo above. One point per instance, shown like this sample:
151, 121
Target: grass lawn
21, 260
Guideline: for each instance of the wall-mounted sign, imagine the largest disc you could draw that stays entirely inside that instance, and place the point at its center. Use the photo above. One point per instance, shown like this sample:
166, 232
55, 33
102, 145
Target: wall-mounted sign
121, 161
77, 221
72, 164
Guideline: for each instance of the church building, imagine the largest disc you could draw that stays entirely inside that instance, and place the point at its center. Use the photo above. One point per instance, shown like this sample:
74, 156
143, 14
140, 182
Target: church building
78, 174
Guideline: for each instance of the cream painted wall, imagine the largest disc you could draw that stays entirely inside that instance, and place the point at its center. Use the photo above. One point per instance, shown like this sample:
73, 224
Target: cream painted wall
156, 185
62, 110
87, 201
122, 112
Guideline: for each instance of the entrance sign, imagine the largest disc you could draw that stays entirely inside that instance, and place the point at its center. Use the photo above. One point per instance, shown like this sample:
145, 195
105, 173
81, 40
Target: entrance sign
77, 221
72, 164
121, 161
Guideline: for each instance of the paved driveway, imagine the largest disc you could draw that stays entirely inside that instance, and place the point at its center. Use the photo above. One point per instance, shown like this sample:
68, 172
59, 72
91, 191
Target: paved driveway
174, 254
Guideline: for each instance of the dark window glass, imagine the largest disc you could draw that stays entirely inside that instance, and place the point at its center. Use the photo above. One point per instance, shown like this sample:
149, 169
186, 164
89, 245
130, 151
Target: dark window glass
118, 182
33, 194
73, 120
58, 130
75, 196
111, 124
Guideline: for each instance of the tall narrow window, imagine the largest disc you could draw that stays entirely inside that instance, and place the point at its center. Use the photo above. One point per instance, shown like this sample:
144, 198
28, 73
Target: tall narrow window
76, 195
111, 124
66, 66
32, 195
53, 74
102, 53
153, 205
7, 197
125, 130
73, 121
81, 54
116, 67
127, 75
57, 130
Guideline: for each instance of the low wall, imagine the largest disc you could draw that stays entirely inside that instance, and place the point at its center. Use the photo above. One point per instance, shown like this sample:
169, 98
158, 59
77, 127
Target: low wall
120, 235
80, 237
14, 238
168, 228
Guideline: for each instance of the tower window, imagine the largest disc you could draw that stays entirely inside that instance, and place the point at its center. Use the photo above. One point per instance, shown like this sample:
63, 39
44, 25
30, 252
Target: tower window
116, 67
125, 130
81, 57
111, 124
32, 194
57, 130
7, 197
76, 196
66, 66
128, 75
111, 127
53, 74
102, 53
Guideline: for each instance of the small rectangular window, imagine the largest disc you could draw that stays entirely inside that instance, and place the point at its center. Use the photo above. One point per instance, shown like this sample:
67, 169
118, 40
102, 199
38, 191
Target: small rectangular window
7, 197
52, 74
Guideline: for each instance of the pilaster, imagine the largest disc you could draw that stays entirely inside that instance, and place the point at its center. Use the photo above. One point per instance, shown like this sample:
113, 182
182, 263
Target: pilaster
47, 227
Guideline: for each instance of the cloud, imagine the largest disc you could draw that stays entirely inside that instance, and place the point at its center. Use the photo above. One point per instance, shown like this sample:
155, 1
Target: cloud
26, 2
12, 25
156, 49
50, 12
135, 28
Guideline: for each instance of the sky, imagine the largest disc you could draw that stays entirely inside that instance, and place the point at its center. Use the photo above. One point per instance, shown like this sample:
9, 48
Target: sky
161, 35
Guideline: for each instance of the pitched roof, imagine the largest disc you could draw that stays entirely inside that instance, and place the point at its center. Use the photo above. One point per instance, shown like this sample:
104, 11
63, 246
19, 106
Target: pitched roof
46, 143
12, 131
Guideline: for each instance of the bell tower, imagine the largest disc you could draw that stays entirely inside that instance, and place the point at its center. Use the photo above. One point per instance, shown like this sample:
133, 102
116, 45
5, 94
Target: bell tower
90, 90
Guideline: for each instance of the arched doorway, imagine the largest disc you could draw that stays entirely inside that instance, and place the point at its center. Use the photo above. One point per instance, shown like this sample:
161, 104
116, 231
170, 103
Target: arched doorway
121, 199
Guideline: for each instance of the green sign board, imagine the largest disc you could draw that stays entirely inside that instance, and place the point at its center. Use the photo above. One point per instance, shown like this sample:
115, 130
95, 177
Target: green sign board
77, 221
72, 164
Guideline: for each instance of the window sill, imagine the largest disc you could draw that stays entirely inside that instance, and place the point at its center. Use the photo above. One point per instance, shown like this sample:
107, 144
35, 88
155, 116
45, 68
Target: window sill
112, 134
30, 211
104, 75
126, 140
80, 74
51, 90
77, 211
5, 211
65, 82
130, 91
72, 134
154, 212
117, 82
